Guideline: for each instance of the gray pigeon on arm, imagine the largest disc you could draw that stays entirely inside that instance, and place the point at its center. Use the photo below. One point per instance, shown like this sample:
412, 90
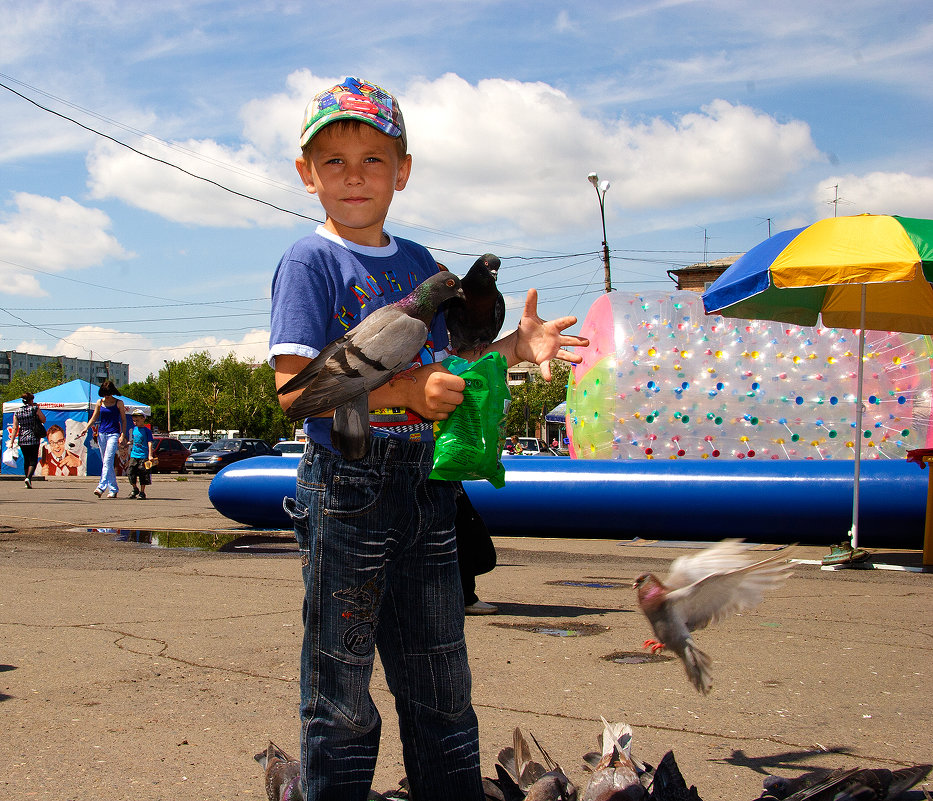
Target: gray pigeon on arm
343, 374
475, 321
702, 589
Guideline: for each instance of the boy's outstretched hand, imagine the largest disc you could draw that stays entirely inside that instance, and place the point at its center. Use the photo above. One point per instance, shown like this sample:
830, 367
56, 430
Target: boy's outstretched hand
539, 341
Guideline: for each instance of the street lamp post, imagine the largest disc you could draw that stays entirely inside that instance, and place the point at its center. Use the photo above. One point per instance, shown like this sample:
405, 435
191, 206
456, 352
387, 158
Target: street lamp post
601, 188
168, 398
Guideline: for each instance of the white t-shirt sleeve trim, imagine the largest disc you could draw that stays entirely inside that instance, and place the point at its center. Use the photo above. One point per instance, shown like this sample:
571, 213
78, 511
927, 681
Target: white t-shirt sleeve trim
290, 349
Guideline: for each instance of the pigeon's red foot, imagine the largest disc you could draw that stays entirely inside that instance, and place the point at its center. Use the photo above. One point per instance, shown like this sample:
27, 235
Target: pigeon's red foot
654, 645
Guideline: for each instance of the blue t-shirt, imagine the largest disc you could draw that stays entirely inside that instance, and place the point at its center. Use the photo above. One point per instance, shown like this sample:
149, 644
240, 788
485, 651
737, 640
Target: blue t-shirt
142, 436
324, 286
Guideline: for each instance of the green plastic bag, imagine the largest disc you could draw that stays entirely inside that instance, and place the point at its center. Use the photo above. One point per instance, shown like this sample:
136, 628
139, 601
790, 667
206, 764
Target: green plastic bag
469, 442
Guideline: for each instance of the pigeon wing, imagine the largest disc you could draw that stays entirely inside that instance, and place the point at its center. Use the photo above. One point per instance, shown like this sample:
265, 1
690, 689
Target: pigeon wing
722, 594
359, 362
723, 556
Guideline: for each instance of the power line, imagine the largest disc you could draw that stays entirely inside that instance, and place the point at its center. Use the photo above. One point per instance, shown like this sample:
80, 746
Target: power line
157, 159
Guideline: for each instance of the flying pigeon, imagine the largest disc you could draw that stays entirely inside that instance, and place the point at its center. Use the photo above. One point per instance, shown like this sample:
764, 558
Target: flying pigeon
616, 775
474, 322
700, 590
343, 374
283, 774
854, 784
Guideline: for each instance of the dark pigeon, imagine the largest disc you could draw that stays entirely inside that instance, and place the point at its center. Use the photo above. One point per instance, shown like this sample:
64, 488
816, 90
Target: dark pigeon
668, 783
853, 784
283, 774
343, 374
475, 322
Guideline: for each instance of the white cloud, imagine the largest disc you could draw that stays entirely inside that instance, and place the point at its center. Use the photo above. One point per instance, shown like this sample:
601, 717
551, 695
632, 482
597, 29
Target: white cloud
115, 172
51, 235
564, 24
143, 354
878, 193
516, 155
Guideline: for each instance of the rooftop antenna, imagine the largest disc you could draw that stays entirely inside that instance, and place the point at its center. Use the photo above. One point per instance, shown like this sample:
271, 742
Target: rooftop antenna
837, 200
705, 245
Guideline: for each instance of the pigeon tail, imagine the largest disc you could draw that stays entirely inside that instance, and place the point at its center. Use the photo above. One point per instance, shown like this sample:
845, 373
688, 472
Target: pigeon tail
698, 666
350, 433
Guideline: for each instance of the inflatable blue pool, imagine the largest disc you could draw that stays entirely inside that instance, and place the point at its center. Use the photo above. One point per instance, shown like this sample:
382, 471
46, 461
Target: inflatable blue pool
773, 501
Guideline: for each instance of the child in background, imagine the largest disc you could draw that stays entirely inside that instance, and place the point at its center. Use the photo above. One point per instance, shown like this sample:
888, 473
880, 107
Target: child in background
376, 537
140, 456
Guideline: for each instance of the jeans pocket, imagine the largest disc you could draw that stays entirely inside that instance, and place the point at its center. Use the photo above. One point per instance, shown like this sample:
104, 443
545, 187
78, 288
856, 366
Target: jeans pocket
355, 489
294, 510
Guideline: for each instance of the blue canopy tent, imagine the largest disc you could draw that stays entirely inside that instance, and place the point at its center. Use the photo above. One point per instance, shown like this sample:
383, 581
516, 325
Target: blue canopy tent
67, 408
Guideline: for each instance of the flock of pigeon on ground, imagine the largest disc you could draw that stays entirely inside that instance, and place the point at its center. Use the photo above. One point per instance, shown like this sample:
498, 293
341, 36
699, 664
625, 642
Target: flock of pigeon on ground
699, 590
614, 774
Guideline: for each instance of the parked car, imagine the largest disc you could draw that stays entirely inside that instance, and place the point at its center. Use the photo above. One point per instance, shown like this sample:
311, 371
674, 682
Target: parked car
531, 446
292, 446
227, 451
171, 454
198, 445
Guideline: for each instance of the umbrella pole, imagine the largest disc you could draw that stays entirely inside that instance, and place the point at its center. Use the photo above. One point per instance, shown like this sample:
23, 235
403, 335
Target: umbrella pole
858, 423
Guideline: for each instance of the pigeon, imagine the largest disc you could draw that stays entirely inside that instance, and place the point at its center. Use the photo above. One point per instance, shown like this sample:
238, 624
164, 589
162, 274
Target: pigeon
668, 783
343, 374
616, 775
474, 322
700, 590
520, 777
854, 784
283, 774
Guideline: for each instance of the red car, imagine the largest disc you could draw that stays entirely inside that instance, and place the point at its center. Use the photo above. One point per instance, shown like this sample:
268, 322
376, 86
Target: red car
171, 455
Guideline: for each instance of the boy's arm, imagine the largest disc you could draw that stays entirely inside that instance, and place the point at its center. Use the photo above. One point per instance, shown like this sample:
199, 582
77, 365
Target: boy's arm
430, 391
537, 340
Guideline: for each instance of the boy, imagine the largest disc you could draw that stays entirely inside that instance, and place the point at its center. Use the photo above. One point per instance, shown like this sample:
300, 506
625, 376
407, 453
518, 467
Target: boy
140, 456
376, 538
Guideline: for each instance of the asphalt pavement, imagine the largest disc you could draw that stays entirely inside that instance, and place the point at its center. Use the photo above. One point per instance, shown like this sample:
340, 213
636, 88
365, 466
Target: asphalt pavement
131, 670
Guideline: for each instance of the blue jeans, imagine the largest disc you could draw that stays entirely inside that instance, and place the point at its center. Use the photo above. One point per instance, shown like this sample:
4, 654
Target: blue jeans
108, 452
379, 562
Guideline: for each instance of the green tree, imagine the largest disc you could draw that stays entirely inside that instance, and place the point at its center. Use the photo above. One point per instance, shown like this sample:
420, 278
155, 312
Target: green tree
48, 375
539, 397
148, 392
229, 394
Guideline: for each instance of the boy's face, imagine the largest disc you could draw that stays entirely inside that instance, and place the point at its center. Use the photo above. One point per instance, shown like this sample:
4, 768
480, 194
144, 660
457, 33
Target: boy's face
354, 173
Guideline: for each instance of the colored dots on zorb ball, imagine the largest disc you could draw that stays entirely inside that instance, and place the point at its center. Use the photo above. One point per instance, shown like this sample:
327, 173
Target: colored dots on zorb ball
662, 380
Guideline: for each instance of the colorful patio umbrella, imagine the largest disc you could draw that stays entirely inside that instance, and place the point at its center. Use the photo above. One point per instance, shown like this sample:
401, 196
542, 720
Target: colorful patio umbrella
867, 271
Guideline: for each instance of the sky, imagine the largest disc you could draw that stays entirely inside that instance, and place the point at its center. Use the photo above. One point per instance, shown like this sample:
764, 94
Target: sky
147, 180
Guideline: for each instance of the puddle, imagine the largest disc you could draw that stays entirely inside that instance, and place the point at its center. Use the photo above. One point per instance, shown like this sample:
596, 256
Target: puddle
264, 542
557, 629
595, 585
636, 657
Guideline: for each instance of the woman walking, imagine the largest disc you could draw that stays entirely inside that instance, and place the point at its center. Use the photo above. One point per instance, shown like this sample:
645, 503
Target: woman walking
111, 433
28, 425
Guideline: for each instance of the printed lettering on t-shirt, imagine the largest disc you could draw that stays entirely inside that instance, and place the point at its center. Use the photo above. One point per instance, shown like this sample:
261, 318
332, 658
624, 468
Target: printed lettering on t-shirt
393, 281
345, 318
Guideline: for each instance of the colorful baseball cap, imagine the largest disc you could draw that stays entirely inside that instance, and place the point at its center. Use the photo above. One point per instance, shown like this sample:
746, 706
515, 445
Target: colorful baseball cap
354, 99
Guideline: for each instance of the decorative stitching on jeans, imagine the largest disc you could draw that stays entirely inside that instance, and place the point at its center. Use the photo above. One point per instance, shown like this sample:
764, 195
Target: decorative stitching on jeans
365, 600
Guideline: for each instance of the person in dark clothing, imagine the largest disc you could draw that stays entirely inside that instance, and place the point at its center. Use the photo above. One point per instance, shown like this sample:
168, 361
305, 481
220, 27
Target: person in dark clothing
476, 553
29, 428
